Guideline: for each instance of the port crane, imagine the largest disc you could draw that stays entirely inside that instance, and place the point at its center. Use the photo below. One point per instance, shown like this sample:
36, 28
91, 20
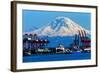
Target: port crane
81, 42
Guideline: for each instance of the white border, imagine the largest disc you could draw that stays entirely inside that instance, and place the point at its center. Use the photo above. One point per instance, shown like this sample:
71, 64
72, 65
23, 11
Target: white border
21, 65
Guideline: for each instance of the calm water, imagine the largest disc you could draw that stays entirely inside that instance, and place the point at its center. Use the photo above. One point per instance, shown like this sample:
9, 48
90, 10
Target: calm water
56, 57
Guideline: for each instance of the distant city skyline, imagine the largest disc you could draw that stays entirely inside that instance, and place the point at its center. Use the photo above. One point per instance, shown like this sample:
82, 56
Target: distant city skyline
36, 19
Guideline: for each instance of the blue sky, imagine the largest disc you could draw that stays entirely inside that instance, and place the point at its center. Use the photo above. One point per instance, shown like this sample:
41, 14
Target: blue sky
36, 19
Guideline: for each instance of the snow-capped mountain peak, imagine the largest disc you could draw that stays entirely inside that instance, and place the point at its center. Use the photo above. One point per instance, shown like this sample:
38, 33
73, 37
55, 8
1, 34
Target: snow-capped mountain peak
61, 26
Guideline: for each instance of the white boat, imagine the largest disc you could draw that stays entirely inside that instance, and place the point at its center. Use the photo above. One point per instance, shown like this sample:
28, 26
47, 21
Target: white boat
60, 49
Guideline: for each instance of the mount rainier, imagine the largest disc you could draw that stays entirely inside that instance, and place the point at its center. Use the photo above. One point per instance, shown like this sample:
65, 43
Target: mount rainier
61, 26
